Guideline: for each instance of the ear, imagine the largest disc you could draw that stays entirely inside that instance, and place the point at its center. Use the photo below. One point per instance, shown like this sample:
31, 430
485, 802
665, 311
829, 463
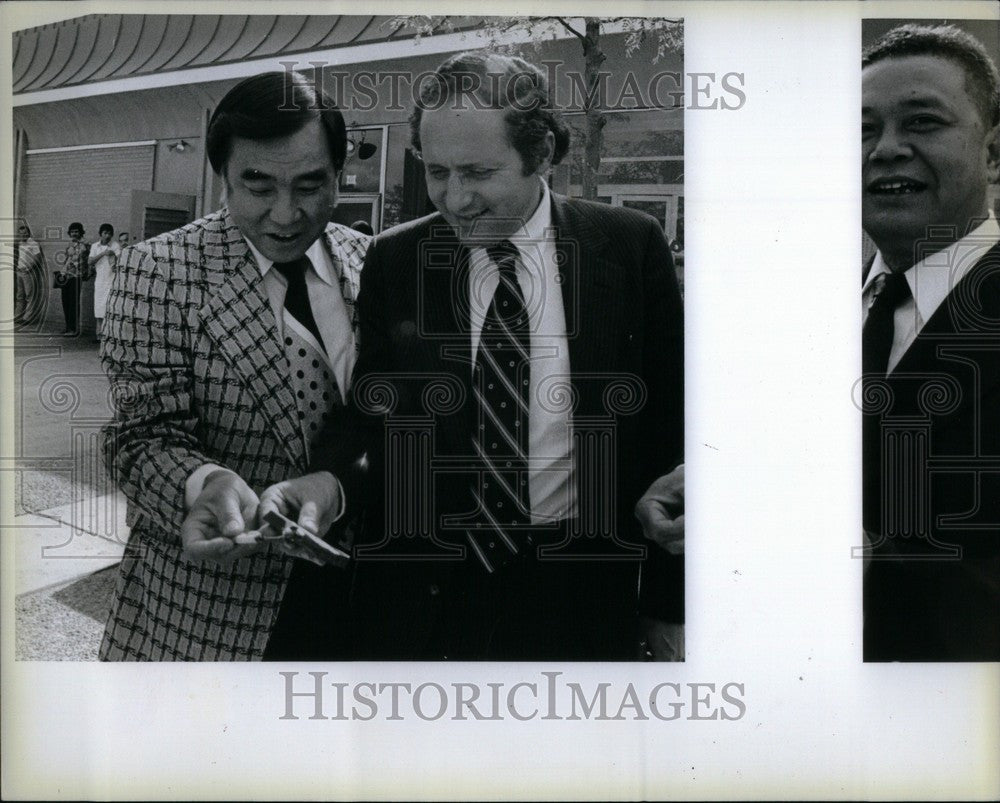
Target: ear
550, 148
993, 154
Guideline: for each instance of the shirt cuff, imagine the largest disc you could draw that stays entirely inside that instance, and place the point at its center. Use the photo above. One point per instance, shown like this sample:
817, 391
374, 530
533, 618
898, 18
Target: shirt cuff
343, 501
196, 483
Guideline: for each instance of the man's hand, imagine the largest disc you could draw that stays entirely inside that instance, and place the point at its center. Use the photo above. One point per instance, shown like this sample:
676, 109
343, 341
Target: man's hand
662, 641
225, 508
661, 511
312, 501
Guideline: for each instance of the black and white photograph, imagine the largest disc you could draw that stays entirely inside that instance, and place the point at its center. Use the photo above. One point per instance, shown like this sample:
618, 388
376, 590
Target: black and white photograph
476, 403
517, 498
931, 184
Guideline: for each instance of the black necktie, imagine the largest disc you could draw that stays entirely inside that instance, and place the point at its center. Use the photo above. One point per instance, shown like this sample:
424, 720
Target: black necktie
876, 336
876, 344
500, 392
297, 296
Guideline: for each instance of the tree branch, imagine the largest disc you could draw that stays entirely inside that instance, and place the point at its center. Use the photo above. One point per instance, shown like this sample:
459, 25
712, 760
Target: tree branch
569, 28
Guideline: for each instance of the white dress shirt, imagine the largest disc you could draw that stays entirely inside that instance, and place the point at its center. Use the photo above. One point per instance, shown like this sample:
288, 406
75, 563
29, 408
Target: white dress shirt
930, 280
551, 486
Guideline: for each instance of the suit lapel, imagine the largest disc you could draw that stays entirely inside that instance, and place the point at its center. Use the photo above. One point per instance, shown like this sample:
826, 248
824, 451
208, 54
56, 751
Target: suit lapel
239, 319
442, 308
589, 284
444, 293
967, 314
347, 260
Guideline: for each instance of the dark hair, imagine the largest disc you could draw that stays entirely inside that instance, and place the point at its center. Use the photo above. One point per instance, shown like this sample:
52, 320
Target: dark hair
270, 106
363, 226
487, 80
982, 80
106, 227
75, 225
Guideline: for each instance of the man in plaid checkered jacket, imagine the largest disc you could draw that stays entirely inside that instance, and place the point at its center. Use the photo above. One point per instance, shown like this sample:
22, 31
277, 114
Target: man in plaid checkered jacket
228, 343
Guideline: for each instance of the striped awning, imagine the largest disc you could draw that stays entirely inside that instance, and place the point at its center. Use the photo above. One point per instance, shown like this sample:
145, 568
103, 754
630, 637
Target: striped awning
108, 47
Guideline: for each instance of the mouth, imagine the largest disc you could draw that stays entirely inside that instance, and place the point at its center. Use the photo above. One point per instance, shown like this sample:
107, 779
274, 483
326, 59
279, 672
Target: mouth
284, 239
468, 220
895, 186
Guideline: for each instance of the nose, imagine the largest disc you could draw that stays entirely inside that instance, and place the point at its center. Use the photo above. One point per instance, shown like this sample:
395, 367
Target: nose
285, 209
458, 197
891, 144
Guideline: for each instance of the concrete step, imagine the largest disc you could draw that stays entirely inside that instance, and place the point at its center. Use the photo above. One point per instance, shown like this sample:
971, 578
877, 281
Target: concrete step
67, 542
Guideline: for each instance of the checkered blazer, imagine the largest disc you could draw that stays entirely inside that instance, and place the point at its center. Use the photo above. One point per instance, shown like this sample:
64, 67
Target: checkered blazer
198, 375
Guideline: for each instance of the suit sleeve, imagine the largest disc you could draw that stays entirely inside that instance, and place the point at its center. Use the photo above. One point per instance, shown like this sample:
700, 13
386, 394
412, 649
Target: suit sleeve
151, 446
662, 584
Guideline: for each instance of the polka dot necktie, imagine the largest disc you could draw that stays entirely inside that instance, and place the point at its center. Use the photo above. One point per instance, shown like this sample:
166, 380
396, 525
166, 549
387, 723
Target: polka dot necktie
500, 440
297, 296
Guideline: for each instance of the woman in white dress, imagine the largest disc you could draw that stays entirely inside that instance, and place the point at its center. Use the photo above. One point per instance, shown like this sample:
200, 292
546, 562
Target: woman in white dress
103, 261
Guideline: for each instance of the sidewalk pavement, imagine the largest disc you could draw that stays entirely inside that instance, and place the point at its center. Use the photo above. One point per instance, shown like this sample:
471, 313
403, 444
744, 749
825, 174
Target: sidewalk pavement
64, 576
69, 523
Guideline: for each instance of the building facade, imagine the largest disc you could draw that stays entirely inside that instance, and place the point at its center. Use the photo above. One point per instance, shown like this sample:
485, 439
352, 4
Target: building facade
110, 114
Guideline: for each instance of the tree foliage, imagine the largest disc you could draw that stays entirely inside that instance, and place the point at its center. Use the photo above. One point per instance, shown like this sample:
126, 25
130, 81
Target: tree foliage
503, 34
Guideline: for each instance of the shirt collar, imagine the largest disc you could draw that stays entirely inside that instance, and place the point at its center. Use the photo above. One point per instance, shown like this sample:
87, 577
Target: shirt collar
936, 275
541, 220
315, 252
534, 229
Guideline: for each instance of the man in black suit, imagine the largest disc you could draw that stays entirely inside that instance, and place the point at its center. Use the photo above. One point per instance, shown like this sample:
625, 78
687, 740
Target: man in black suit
931, 348
519, 386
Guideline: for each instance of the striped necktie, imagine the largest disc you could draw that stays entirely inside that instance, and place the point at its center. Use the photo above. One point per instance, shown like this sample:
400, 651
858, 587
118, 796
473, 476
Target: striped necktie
500, 387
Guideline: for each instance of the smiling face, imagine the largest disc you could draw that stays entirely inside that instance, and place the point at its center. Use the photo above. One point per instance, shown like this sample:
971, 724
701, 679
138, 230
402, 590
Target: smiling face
928, 156
281, 192
475, 177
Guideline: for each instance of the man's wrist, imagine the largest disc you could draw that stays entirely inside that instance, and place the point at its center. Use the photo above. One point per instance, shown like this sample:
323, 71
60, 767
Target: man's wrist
341, 505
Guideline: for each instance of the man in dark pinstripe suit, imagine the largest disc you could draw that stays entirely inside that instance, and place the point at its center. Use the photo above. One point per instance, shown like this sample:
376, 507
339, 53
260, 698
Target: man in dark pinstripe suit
520, 385
228, 343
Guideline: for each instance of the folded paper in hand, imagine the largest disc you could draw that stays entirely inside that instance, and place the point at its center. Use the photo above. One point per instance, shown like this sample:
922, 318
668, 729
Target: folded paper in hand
303, 543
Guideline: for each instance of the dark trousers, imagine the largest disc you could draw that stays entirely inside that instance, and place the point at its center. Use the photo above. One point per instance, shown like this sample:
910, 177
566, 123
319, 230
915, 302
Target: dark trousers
539, 610
313, 620
533, 609
71, 303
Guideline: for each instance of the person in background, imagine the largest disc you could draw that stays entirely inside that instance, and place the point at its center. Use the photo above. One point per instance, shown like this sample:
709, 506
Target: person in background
74, 269
103, 260
29, 276
123, 239
363, 226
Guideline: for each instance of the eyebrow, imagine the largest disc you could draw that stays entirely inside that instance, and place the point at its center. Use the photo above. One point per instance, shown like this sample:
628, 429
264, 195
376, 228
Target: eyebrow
920, 102
467, 166
319, 174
